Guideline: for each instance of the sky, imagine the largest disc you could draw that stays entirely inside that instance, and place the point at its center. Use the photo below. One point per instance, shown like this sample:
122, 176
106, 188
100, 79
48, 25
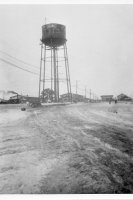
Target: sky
99, 43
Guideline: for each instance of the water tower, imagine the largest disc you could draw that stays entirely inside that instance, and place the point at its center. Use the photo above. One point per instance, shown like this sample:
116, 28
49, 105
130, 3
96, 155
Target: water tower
52, 43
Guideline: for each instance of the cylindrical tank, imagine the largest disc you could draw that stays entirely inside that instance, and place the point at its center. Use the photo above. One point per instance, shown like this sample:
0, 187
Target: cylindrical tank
53, 35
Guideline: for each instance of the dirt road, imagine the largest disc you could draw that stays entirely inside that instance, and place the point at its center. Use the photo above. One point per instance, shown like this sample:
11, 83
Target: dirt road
77, 148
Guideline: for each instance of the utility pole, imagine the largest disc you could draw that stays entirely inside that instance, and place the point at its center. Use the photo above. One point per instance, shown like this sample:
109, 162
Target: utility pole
76, 86
90, 94
3, 94
85, 91
93, 96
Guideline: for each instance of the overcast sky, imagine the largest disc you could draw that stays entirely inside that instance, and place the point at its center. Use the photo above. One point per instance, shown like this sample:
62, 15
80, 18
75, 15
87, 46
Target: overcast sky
99, 41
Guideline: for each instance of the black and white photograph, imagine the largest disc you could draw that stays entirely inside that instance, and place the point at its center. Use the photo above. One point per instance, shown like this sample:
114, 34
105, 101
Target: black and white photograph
66, 99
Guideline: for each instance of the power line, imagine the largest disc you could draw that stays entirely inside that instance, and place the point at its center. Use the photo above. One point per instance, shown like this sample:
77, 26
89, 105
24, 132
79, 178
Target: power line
14, 65
19, 60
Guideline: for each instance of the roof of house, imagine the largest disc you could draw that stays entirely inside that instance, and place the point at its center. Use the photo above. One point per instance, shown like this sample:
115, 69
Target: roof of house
16, 96
122, 95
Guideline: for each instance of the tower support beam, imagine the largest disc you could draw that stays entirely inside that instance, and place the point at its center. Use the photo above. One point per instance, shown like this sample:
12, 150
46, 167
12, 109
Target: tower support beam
55, 74
40, 70
52, 63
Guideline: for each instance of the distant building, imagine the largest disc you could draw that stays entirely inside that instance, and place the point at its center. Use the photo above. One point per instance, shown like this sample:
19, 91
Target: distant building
75, 98
123, 97
15, 99
3, 101
107, 97
5, 95
31, 99
22, 99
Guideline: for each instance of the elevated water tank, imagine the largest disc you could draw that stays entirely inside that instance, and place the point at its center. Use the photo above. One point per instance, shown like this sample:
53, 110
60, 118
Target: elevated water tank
53, 35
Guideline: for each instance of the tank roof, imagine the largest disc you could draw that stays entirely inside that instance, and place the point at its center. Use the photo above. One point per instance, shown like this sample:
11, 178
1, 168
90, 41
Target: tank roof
52, 24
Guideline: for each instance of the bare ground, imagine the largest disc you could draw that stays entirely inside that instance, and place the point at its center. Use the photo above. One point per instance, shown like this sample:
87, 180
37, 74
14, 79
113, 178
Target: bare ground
77, 148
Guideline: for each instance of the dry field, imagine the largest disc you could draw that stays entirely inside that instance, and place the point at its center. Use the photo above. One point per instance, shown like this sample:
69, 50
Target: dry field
77, 148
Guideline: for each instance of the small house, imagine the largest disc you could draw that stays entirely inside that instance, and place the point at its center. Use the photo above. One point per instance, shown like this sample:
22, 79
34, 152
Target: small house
107, 98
